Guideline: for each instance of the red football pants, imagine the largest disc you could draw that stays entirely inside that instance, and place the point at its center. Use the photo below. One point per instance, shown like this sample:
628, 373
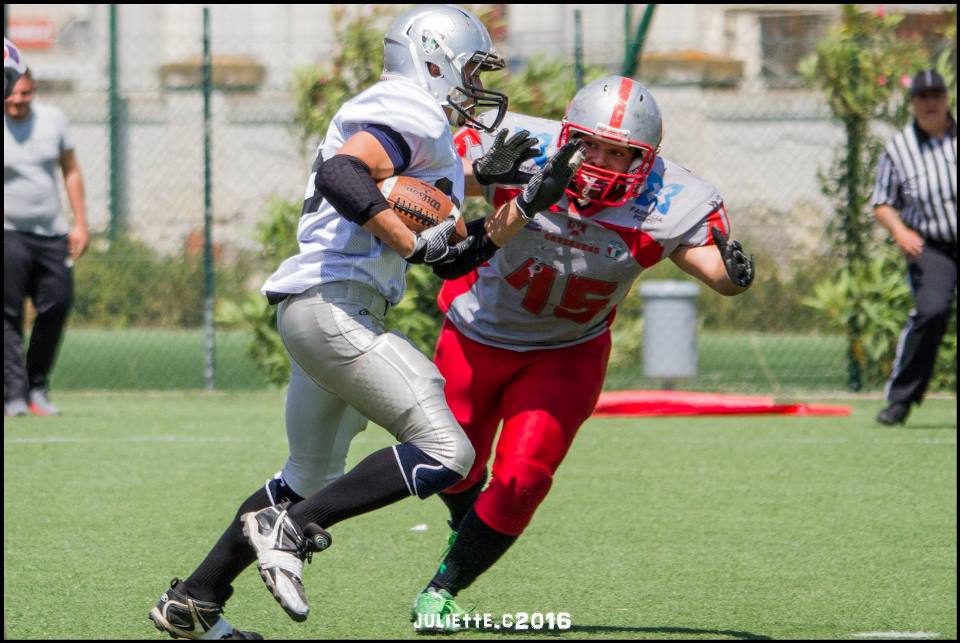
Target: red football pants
542, 396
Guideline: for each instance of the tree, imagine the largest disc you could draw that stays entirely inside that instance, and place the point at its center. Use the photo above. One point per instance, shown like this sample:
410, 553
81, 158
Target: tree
860, 67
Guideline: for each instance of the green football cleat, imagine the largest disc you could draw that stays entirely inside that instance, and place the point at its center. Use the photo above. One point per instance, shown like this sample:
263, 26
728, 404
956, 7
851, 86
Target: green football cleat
432, 610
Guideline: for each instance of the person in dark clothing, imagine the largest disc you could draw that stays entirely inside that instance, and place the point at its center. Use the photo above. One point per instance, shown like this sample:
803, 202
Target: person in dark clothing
915, 199
39, 245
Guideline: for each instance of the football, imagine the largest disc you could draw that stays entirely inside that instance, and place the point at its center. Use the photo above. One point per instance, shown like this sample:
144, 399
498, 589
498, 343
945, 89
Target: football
420, 205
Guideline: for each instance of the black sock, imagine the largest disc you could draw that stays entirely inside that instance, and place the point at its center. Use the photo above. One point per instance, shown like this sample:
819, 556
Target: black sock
375, 482
477, 547
230, 556
460, 503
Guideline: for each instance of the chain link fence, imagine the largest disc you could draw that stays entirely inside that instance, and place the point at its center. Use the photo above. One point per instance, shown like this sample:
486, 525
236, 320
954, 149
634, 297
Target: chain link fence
138, 317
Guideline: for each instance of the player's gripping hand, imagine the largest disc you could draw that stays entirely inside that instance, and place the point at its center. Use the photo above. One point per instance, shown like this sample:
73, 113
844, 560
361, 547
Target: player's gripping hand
431, 245
547, 186
501, 164
739, 268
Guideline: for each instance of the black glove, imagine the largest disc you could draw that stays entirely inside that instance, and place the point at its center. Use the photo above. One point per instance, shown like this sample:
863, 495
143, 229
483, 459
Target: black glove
431, 245
481, 251
739, 268
501, 163
547, 186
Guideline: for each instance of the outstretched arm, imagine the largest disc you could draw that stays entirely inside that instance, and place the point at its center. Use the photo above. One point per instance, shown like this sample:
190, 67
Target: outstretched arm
722, 266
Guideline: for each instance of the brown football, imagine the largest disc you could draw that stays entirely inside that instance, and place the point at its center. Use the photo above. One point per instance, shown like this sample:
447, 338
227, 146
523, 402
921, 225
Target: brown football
420, 205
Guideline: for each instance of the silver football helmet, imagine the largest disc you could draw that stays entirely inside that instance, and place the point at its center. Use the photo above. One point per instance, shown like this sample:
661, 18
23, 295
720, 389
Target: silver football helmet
443, 49
621, 111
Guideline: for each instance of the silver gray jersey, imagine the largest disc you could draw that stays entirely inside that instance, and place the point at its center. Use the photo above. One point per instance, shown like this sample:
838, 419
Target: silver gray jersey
334, 249
559, 280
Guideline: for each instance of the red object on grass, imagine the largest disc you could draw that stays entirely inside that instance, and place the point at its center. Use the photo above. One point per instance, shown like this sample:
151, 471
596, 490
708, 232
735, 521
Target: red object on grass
653, 403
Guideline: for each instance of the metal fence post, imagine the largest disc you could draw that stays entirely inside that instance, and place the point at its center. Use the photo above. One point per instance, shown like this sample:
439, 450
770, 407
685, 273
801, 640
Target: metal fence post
578, 48
116, 123
631, 59
856, 128
208, 269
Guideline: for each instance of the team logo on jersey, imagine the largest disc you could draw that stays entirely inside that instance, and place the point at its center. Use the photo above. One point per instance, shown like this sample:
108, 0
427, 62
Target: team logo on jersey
468, 144
657, 194
615, 250
575, 228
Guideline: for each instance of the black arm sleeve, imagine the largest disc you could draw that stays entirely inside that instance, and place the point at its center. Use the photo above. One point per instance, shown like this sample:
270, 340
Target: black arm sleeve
345, 182
482, 250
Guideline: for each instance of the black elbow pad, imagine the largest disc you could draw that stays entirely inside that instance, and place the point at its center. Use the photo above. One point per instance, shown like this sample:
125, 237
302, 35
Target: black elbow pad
482, 250
345, 182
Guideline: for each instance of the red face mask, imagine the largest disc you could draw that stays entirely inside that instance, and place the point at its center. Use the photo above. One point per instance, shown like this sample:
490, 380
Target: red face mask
607, 187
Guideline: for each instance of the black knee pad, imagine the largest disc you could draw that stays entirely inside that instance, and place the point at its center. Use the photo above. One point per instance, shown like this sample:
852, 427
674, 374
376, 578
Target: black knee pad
424, 475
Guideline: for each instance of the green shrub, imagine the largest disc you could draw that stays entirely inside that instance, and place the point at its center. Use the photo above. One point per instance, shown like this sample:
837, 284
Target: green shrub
877, 297
277, 234
126, 283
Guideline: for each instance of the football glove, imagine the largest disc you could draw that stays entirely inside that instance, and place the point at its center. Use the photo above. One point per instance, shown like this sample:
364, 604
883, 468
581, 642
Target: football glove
547, 186
431, 246
501, 164
739, 268
481, 251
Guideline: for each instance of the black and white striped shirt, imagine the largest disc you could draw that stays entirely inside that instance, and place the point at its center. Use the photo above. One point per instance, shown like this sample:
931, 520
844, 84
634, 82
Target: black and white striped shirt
917, 175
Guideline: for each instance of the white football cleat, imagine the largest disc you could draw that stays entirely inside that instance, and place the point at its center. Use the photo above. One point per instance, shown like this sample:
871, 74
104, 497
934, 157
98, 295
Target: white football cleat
281, 548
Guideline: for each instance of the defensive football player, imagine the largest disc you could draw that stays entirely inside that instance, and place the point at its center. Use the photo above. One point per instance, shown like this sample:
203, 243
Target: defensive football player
333, 297
527, 332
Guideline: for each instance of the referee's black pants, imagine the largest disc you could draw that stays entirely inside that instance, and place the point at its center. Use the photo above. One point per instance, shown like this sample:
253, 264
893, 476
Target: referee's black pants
933, 279
39, 268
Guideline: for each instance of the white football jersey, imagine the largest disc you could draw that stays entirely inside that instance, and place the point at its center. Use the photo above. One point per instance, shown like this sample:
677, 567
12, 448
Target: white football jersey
558, 281
335, 249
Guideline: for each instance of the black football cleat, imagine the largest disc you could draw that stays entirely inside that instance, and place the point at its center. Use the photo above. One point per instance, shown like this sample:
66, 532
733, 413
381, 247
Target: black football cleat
183, 617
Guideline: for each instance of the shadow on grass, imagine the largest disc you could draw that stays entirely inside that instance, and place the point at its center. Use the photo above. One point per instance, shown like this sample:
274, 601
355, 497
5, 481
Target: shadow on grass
623, 629
917, 427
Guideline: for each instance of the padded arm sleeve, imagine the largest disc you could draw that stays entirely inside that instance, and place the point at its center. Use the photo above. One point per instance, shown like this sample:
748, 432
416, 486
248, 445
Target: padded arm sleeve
481, 251
345, 182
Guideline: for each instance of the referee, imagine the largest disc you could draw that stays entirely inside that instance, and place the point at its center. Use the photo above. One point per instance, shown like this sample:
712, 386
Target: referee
915, 199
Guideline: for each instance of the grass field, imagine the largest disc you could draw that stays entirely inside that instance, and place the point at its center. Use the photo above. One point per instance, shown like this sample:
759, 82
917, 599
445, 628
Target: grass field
675, 528
173, 359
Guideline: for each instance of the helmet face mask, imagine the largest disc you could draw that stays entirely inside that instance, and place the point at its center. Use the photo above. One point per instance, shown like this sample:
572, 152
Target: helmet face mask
444, 49
470, 97
618, 111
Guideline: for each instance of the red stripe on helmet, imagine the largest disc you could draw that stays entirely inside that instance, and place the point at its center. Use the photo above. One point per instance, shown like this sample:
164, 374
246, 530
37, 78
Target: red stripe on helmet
616, 120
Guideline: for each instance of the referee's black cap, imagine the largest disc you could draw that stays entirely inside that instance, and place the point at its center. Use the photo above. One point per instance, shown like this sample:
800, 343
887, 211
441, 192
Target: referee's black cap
927, 80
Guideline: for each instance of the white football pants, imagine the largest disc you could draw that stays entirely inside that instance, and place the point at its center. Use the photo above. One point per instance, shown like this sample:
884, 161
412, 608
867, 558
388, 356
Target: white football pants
346, 368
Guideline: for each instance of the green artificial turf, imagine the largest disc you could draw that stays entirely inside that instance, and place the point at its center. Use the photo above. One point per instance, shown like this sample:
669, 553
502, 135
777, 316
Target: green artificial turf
661, 528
